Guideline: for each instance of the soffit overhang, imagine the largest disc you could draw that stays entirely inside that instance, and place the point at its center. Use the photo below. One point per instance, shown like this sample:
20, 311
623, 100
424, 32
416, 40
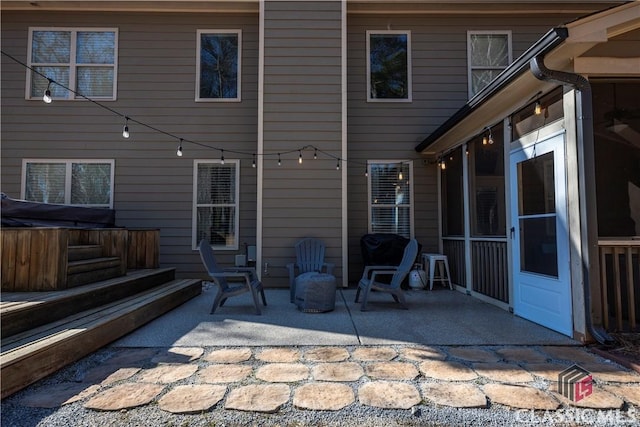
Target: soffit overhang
517, 87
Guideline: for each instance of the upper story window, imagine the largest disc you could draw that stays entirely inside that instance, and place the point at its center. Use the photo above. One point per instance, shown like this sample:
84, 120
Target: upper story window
218, 65
216, 211
389, 66
68, 182
390, 197
83, 60
488, 53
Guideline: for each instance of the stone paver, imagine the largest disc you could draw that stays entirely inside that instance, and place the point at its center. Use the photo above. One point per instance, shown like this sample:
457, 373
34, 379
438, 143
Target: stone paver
598, 399
548, 371
167, 374
421, 354
454, 394
258, 397
124, 396
447, 371
522, 397
473, 354
279, 355
609, 373
179, 355
574, 354
503, 372
631, 393
192, 399
57, 395
389, 395
109, 374
374, 354
391, 371
229, 355
283, 372
522, 355
223, 373
327, 354
342, 371
323, 396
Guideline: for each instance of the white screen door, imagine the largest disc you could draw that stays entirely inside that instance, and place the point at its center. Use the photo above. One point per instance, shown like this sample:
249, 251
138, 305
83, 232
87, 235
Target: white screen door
542, 288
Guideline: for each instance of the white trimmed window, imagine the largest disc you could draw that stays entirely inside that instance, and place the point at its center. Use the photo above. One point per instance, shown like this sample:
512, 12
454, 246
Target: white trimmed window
391, 197
488, 53
83, 59
216, 195
218, 65
68, 182
389, 66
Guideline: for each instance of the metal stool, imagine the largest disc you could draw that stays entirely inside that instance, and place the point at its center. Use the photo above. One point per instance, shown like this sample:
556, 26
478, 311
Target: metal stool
432, 260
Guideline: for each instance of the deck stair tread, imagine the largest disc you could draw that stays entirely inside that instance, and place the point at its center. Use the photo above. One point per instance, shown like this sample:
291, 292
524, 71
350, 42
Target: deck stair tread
31, 355
79, 252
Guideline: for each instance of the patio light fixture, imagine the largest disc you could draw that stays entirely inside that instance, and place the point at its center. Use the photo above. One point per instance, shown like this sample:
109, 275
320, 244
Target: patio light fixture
488, 137
300, 158
47, 94
179, 152
125, 129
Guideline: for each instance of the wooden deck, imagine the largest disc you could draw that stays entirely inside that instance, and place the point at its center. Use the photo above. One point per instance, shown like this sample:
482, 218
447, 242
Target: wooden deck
68, 292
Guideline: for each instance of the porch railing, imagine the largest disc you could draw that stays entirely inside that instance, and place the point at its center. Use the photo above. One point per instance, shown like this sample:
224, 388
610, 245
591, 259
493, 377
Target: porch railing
620, 283
489, 267
454, 250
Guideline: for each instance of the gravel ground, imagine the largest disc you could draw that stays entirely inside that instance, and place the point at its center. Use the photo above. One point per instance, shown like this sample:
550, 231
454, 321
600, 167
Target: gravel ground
13, 414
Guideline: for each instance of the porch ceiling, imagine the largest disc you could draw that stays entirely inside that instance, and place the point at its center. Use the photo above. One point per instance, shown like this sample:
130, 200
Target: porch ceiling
613, 33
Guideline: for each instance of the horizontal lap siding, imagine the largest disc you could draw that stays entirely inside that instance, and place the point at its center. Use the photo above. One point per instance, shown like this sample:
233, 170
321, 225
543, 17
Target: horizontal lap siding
302, 106
390, 131
156, 86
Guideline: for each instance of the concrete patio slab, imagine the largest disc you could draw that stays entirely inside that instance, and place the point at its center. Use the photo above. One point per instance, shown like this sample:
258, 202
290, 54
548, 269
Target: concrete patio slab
439, 317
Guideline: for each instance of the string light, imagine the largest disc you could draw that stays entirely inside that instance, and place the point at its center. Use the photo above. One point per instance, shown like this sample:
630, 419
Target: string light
315, 153
338, 165
222, 157
179, 152
443, 165
47, 93
279, 160
125, 129
400, 176
488, 137
253, 163
300, 158
538, 108
366, 171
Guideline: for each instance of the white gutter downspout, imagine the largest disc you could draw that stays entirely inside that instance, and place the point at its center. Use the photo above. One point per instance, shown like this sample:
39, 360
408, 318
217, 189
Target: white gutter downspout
586, 181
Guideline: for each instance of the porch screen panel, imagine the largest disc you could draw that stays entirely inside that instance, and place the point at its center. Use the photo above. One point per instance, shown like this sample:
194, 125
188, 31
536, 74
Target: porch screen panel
452, 195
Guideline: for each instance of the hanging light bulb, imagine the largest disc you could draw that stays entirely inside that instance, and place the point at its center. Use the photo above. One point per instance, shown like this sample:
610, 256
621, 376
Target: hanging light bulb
222, 157
279, 160
338, 165
443, 165
179, 152
125, 129
300, 158
315, 153
253, 163
400, 176
47, 94
538, 108
366, 171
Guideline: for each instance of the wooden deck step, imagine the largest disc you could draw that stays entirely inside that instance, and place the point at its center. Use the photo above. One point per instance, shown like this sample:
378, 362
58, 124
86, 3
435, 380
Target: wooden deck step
34, 354
92, 270
79, 252
20, 311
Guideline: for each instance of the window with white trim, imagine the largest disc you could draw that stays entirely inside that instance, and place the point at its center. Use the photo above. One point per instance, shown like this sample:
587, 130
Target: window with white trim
218, 64
68, 182
391, 197
488, 53
82, 59
216, 197
389, 66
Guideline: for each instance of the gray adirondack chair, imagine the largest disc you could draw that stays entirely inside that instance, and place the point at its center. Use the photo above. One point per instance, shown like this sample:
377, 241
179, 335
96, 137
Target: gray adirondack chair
370, 277
242, 279
309, 257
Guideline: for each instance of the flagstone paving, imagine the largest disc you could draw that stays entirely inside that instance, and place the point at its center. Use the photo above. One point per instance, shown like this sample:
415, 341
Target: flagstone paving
187, 380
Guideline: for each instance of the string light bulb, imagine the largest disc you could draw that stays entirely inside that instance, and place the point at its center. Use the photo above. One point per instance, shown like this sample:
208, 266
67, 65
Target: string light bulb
253, 163
279, 160
315, 153
47, 94
300, 158
125, 129
179, 152
366, 171
443, 165
538, 108
338, 165
222, 157
400, 176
